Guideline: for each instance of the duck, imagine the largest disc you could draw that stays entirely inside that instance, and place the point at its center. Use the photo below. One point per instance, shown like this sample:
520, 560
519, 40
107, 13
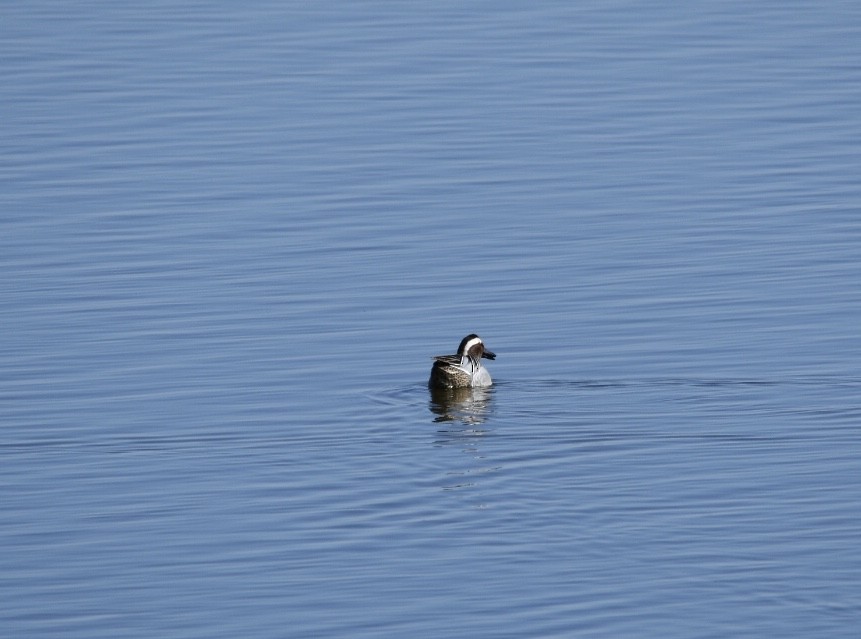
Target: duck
463, 369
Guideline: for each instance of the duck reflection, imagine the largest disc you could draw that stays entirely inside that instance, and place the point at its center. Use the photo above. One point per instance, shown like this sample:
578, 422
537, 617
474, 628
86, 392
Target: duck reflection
467, 405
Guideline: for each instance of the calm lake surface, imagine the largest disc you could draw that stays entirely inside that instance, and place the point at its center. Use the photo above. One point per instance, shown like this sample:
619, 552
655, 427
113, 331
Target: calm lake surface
233, 235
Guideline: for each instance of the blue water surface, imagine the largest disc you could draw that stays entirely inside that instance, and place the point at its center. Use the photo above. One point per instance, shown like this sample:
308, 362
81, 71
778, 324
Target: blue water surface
233, 236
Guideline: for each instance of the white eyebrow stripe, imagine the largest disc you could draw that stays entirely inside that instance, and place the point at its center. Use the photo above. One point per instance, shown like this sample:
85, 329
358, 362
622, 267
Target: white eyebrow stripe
475, 341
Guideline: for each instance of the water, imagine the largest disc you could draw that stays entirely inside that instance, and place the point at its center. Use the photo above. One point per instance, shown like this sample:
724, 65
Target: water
233, 236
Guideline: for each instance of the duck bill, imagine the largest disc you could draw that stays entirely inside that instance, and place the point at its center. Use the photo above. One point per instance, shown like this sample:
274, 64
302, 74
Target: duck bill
489, 355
